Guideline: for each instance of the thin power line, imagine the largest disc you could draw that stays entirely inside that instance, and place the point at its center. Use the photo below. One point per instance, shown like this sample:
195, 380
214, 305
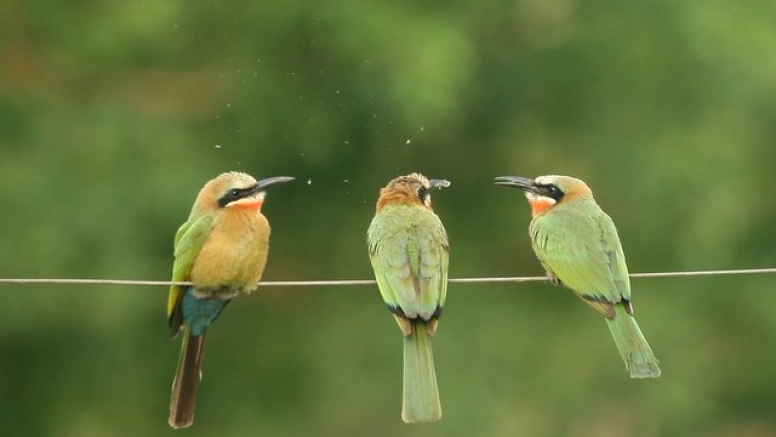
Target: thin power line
343, 282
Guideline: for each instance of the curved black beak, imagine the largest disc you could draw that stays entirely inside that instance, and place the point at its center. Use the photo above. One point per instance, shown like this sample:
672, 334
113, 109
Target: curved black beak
438, 183
525, 184
268, 182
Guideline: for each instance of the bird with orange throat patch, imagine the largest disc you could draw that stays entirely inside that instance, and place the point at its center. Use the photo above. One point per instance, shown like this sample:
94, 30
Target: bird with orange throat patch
578, 245
222, 249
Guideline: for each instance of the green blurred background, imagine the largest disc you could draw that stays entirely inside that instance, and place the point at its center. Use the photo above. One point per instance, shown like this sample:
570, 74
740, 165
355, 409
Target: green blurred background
114, 114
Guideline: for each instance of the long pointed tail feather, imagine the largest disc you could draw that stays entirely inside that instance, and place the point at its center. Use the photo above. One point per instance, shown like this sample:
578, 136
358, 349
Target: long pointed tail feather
421, 396
184, 387
633, 347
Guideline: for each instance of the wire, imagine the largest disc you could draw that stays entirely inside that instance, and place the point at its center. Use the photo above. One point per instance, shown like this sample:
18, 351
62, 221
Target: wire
344, 282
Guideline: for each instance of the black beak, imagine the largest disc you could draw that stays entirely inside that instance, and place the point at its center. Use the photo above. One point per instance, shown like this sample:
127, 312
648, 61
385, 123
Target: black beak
266, 183
438, 183
524, 184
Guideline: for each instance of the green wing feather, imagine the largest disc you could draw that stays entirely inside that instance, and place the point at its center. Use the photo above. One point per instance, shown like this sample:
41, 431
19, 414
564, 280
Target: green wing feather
435, 257
408, 250
579, 245
189, 240
581, 248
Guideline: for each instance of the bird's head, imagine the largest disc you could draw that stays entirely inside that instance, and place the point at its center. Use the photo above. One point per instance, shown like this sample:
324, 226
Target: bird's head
235, 190
546, 192
413, 189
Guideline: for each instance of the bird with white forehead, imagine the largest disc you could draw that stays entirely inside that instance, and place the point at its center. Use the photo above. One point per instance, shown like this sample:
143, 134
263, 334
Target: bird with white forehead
577, 244
222, 249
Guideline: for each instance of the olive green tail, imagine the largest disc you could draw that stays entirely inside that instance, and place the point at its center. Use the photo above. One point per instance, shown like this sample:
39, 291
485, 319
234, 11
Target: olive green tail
633, 347
421, 396
184, 387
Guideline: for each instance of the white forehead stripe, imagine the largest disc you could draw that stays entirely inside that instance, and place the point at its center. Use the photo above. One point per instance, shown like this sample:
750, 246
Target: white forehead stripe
533, 197
546, 180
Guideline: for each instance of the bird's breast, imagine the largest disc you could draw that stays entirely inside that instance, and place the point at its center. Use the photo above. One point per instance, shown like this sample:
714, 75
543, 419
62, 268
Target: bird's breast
234, 254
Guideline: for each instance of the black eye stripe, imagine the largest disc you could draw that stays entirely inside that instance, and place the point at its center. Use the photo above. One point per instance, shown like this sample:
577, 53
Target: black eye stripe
551, 190
232, 195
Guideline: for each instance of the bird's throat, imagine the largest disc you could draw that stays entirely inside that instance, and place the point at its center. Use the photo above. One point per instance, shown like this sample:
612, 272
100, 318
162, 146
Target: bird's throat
253, 204
540, 205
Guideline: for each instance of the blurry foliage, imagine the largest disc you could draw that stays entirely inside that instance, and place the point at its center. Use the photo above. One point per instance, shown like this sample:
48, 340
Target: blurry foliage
113, 115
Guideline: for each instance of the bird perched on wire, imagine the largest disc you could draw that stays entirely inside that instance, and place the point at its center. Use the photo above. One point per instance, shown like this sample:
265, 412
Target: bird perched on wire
408, 250
577, 243
222, 249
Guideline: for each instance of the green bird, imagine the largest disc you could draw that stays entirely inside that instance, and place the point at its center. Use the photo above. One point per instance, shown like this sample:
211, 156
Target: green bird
222, 249
409, 251
577, 243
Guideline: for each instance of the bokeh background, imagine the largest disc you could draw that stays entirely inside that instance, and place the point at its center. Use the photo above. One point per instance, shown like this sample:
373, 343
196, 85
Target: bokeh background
114, 114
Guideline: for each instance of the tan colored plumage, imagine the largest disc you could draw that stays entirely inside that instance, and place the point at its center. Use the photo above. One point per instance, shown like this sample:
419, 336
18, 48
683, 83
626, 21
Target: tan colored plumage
222, 249
572, 188
404, 191
221, 244
235, 252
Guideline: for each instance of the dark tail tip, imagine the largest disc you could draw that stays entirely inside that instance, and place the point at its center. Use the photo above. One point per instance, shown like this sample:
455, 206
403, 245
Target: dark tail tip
184, 387
644, 370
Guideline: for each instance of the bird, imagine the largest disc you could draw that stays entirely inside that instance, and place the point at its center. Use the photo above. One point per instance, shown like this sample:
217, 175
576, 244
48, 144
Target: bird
409, 253
577, 244
222, 250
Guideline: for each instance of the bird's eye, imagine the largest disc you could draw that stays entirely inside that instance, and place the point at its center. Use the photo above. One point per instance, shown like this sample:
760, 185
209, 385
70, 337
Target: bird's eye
230, 196
553, 191
422, 193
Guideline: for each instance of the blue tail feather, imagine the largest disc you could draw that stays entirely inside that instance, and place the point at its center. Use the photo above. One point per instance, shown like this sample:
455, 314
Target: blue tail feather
199, 313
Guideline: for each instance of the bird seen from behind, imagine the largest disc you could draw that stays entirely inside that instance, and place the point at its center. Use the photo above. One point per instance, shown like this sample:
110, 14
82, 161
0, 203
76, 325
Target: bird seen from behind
408, 249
